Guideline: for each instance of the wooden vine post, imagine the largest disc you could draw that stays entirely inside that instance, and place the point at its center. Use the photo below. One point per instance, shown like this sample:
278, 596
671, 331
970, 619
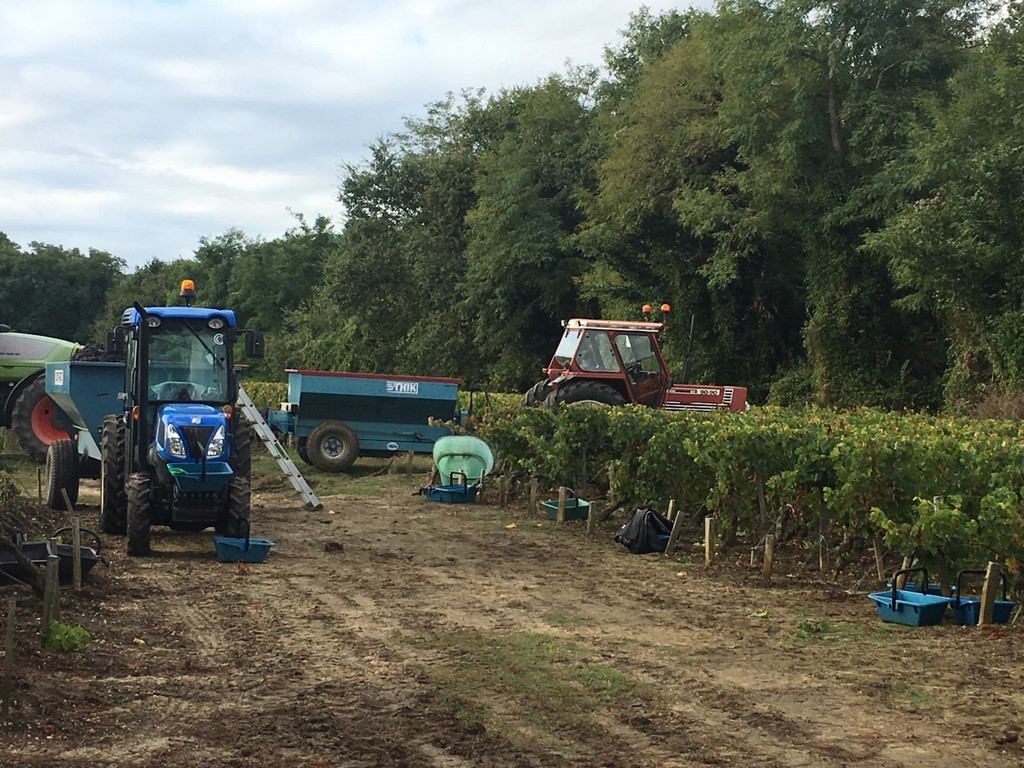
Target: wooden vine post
51, 597
769, 556
561, 504
988, 593
709, 540
533, 493
503, 491
673, 535
76, 552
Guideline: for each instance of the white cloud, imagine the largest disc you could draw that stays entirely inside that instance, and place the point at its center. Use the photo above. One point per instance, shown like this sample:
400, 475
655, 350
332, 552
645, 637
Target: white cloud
140, 126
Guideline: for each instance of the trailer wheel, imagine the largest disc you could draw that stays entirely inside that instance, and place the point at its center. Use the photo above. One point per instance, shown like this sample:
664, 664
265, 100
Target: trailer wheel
332, 446
234, 521
140, 487
113, 503
33, 420
61, 473
584, 392
536, 394
300, 448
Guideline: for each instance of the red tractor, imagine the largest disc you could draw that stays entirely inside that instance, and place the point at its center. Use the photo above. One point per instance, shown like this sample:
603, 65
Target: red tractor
615, 362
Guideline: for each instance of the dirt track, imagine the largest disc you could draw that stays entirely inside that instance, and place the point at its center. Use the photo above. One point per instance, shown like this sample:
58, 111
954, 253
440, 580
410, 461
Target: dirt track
360, 643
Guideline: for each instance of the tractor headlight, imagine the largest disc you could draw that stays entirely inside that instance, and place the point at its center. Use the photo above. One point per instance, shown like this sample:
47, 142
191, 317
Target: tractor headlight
175, 445
216, 446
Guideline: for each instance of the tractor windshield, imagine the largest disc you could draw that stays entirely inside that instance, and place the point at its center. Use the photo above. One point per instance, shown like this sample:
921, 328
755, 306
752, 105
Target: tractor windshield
188, 361
567, 347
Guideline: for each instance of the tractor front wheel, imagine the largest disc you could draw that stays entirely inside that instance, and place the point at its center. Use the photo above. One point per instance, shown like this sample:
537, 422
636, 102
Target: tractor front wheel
332, 446
61, 473
33, 420
140, 487
240, 459
234, 521
584, 392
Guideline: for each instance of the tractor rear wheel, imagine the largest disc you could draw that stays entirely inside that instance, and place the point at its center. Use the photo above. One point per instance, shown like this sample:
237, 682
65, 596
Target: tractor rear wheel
536, 394
61, 473
33, 420
332, 446
234, 521
140, 488
584, 392
113, 502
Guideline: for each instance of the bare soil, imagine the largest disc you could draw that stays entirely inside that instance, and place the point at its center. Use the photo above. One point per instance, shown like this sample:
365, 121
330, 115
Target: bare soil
393, 631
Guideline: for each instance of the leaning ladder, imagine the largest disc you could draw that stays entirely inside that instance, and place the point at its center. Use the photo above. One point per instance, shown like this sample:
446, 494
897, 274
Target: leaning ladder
277, 450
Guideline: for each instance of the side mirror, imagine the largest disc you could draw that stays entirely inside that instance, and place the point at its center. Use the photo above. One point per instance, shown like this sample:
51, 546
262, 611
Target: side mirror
115, 342
253, 343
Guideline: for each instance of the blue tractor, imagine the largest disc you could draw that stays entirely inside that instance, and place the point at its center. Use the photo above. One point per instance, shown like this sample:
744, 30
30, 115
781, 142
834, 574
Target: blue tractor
178, 453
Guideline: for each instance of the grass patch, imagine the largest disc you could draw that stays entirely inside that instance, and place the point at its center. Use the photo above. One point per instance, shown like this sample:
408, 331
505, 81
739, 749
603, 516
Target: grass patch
914, 695
545, 683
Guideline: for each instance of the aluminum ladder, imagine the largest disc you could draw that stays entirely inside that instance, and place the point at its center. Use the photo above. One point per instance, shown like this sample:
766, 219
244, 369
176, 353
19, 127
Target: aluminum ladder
266, 434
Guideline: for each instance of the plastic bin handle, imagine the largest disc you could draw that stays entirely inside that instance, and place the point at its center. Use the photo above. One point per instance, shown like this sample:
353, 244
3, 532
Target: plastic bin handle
976, 572
902, 571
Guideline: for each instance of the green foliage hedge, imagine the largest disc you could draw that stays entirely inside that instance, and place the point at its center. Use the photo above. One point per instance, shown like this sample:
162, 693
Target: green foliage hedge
946, 491
266, 394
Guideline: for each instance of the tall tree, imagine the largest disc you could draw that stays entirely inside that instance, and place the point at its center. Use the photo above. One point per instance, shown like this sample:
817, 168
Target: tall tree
522, 255
53, 291
956, 248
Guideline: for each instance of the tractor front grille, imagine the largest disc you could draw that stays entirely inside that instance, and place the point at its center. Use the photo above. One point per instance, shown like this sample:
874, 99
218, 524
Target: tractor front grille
196, 439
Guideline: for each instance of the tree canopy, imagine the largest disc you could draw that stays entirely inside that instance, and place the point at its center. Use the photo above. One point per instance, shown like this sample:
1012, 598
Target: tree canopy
832, 188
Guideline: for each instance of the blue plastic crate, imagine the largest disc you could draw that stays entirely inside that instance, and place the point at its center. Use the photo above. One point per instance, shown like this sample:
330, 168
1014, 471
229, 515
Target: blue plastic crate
451, 494
231, 549
575, 509
915, 609
967, 610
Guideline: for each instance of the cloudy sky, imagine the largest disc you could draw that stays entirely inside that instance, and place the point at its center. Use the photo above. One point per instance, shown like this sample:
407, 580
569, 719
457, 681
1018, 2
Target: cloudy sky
139, 126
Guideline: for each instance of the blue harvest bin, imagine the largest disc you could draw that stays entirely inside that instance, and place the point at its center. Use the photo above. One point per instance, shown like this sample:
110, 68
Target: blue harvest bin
967, 610
915, 609
231, 549
451, 494
575, 508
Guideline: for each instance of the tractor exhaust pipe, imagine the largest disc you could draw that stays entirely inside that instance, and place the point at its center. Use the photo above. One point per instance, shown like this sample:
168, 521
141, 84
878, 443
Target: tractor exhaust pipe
689, 352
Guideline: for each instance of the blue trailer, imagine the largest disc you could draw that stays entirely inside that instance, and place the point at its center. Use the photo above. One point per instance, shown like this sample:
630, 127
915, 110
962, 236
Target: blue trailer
84, 393
336, 417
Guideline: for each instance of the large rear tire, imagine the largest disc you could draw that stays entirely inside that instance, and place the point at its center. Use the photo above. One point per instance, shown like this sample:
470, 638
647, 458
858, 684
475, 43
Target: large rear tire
140, 487
33, 420
113, 502
234, 521
61, 473
585, 391
332, 446
536, 394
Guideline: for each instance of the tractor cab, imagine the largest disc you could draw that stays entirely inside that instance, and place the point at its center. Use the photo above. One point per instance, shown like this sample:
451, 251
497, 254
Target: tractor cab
620, 357
618, 362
